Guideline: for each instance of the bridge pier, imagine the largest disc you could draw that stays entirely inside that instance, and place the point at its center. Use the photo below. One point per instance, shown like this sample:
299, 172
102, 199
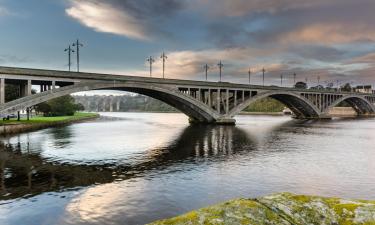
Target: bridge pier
221, 121
2, 91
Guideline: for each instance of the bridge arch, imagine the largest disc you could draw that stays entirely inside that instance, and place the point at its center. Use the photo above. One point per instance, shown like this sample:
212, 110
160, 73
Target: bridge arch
194, 109
360, 104
298, 104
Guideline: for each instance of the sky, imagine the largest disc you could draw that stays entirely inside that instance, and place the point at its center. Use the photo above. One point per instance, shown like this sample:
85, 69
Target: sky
330, 39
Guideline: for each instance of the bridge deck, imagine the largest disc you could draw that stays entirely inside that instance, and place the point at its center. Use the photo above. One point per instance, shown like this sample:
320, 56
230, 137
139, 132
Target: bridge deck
56, 74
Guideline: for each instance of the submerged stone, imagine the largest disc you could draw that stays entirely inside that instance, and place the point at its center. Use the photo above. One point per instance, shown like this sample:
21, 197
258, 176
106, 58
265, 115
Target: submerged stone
283, 208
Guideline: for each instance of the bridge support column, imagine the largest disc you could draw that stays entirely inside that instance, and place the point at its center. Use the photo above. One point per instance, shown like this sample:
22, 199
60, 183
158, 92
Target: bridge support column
235, 98
218, 99
227, 101
53, 85
26, 88
209, 98
118, 105
2, 91
111, 104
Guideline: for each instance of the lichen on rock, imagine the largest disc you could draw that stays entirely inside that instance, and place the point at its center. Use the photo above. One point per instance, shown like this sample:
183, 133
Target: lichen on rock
283, 208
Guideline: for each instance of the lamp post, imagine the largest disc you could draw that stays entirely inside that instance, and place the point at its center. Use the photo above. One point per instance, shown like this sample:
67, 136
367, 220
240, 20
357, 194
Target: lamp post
69, 50
263, 70
150, 60
281, 80
163, 57
249, 72
77, 44
220, 68
206, 67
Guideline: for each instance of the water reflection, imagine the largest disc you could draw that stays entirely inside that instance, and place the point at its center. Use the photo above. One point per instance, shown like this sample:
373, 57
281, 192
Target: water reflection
25, 173
143, 167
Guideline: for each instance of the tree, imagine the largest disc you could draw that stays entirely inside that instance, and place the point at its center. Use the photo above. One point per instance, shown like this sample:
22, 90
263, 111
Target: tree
79, 107
12, 92
300, 85
62, 106
346, 87
43, 108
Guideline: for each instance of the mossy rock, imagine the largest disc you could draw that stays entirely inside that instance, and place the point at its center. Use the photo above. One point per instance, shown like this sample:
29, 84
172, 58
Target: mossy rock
284, 208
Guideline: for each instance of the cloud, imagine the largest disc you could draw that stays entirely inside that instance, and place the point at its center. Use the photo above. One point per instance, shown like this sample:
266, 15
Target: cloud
3, 11
130, 18
331, 38
4, 59
331, 33
235, 8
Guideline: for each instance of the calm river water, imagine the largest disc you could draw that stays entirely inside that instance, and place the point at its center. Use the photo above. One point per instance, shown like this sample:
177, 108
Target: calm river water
135, 168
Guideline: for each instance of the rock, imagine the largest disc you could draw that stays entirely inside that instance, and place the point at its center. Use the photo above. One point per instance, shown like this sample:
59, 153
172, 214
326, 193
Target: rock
283, 208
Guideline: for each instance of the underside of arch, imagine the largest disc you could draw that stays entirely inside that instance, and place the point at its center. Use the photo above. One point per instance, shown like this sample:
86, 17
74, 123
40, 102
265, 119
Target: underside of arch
193, 109
360, 105
298, 106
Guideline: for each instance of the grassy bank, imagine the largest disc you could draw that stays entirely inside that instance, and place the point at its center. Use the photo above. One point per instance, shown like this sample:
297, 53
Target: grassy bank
13, 126
42, 119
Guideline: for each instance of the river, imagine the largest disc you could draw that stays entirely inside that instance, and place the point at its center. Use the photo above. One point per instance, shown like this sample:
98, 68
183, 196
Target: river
134, 168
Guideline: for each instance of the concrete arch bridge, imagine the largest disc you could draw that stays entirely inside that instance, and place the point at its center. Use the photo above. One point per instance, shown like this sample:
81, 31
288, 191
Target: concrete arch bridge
203, 102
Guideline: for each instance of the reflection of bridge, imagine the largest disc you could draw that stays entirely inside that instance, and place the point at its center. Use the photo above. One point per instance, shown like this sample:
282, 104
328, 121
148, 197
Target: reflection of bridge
24, 172
205, 102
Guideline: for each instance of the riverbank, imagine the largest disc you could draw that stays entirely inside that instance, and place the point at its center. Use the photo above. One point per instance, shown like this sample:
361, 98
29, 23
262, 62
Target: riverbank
284, 208
39, 122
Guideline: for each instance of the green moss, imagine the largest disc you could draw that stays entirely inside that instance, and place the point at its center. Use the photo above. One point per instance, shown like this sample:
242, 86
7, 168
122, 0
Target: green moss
284, 208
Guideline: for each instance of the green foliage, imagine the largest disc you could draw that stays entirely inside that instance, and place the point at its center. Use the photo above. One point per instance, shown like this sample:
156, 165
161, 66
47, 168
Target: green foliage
62, 106
12, 92
300, 85
266, 105
346, 87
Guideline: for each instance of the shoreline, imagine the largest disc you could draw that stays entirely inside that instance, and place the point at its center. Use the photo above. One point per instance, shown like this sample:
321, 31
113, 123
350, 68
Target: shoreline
16, 127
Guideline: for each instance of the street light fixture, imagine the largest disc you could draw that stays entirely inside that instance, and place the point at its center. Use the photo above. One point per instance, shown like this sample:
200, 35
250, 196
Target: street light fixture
249, 72
77, 44
220, 68
281, 80
150, 60
164, 57
206, 67
69, 50
263, 70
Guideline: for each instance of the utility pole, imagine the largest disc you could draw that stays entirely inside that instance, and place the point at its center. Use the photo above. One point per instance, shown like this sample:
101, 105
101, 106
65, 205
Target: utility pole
318, 80
263, 70
220, 68
151, 61
249, 72
281, 80
164, 57
206, 67
77, 44
294, 75
69, 50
